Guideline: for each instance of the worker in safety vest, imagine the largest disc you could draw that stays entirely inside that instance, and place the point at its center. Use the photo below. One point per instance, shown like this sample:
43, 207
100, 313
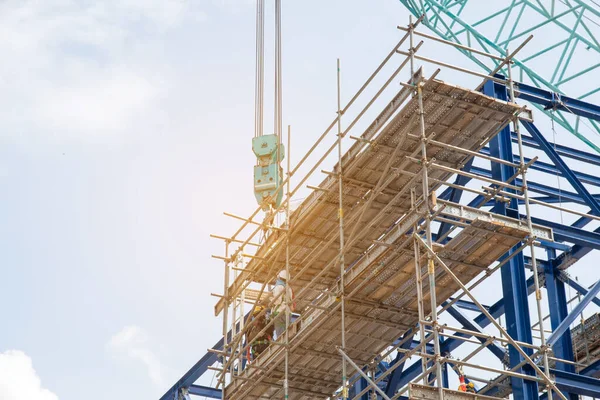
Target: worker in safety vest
258, 341
280, 300
463, 386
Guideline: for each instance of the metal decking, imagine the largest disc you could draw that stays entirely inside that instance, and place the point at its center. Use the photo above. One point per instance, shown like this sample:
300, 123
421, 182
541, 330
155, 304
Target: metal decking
380, 284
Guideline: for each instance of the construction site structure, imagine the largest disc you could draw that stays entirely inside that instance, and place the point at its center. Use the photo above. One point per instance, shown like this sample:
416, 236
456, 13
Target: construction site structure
432, 199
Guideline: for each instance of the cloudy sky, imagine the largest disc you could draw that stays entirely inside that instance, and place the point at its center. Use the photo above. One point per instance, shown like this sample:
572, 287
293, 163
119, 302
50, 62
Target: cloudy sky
125, 129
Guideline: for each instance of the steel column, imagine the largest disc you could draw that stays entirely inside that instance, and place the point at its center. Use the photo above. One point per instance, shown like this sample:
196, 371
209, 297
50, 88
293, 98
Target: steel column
557, 304
514, 287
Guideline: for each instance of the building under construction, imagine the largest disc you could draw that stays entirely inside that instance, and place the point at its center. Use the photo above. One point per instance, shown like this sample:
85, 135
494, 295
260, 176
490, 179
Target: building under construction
443, 190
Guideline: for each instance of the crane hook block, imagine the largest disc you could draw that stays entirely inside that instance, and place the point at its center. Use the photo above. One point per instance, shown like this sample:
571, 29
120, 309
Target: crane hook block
268, 174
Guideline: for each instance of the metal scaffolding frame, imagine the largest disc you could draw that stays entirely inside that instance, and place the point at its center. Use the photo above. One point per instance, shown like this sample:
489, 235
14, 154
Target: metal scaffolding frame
371, 273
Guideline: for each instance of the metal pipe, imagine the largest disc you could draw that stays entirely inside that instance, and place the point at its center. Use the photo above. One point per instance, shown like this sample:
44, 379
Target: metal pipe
225, 316
287, 271
341, 223
430, 264
458, 45
443, 64
419, 285
507, 60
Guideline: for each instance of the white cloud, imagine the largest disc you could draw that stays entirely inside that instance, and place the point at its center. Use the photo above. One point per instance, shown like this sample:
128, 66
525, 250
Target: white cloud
18, 379
85, 67
133, 342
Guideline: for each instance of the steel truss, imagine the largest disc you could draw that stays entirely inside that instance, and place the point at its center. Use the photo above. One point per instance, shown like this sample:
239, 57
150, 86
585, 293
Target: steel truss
565, 53
410, 252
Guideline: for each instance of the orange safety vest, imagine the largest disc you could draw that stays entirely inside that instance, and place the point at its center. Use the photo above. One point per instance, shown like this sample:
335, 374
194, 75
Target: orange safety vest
462, 387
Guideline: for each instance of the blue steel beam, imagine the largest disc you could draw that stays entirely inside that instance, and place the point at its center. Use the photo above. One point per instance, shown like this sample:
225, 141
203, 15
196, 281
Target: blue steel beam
576, 383
576, 253
592, 370
567, 233
555, 200
557, 304
394, 376
550, 100
445, 381
563, 167
470, 325
204, 391
575, 285
537, 187
198, 369
194, 373
565, 151
564, 325
551, 169
358, 387
468, 305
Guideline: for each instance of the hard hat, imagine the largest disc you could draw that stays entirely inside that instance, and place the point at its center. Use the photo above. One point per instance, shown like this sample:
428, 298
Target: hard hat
283, 275
471, 385
257, 310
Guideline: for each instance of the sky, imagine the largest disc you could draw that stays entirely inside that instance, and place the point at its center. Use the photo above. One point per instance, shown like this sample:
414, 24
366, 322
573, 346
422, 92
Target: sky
125, 132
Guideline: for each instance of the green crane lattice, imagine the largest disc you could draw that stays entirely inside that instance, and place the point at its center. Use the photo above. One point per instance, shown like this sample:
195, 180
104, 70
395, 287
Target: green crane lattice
563, 57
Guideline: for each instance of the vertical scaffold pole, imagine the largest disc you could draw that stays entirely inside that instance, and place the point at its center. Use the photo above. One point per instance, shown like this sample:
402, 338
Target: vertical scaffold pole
411, 43
419, 279
523, 169
288, 315
225, 317
430, 263
341, 220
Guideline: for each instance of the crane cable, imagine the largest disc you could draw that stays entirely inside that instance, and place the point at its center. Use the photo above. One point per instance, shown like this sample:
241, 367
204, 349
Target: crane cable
260, 68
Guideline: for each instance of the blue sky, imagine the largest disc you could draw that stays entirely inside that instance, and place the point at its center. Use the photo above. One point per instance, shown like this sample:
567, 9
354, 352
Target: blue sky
126, 132
126, 129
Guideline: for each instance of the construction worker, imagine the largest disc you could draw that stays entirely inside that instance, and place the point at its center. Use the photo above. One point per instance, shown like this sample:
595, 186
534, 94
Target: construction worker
258, 342
280, 300
471, 388
462, 387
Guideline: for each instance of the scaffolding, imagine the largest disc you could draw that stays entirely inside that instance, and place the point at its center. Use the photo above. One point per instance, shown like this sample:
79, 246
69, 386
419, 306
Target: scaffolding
367, 269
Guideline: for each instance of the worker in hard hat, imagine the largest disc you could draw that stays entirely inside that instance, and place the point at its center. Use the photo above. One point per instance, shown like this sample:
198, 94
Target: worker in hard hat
471, 388
463, 385
258, 341
280, 301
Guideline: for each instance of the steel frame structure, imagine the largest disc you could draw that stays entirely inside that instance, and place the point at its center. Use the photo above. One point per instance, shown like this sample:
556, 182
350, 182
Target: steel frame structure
442, 203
